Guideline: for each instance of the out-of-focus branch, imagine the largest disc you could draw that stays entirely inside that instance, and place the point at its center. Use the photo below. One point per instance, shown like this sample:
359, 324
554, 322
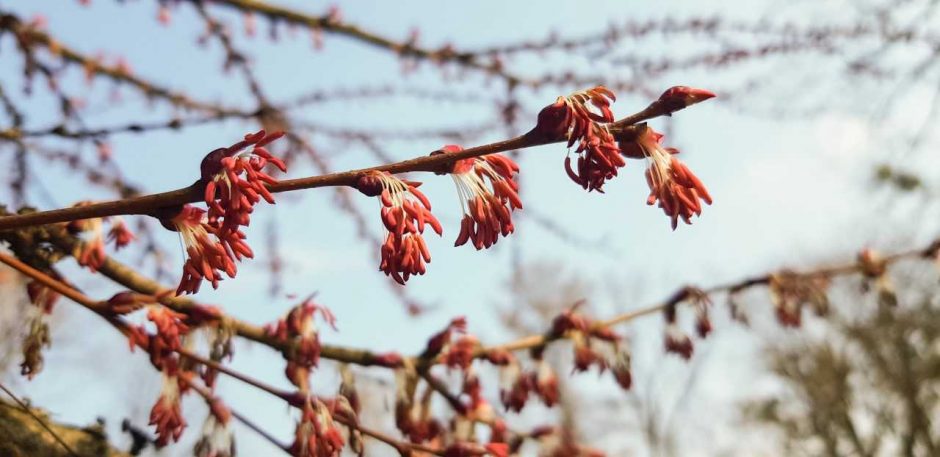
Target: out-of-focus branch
331, 24
22, 435
29, 35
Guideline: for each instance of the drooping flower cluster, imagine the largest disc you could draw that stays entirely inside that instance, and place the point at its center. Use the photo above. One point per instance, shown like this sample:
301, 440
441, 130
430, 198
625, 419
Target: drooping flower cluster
170, 328
405, 213
166, 414
299, 326
582, 118
208, 256
487, 209
672, 185
236, 181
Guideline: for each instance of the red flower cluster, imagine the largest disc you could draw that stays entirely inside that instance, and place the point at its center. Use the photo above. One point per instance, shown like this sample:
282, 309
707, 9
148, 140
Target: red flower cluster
235, 180
316, 434
405, 212
581, 118
487, 209
207, 256
170, 328
299, 325
671, 183
166, 414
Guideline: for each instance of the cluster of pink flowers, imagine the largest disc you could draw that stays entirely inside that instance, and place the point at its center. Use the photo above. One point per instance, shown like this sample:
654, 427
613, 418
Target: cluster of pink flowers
171, 327
671, 183
487, 209
405, 213
235, 181
206, 255
582, 118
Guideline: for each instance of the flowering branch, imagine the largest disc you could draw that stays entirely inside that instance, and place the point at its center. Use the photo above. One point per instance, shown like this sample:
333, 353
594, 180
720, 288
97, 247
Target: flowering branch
293, 399
148, 204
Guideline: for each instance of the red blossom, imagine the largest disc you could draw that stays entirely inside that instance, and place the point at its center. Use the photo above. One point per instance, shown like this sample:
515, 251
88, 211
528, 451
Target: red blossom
582, 118
598, 159
235, 180
167, 339
487, 209
166, 414
671, 183
570, 116
207, 256
405, 212
569, 320
584, 356
299, 326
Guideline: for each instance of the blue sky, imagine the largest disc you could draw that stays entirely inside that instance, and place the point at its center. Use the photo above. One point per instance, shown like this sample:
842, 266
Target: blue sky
789, 191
